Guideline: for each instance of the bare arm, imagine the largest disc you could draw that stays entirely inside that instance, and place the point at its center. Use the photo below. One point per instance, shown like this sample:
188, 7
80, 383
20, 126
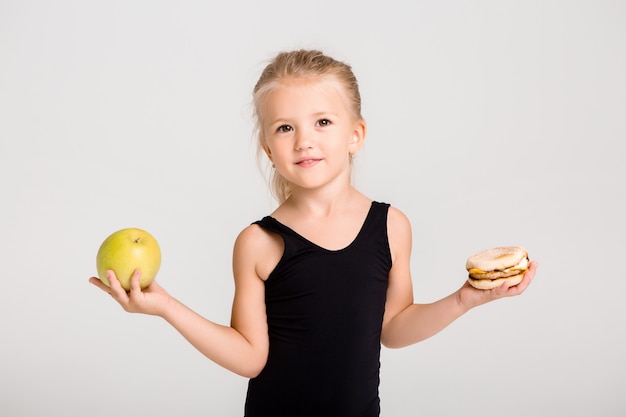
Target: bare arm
241, 347
406, 323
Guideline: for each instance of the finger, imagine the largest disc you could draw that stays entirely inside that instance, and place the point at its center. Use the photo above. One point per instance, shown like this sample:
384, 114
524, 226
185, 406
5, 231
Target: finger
117, 290
528, 276
98, 283
503, 290
134, 281
526, 280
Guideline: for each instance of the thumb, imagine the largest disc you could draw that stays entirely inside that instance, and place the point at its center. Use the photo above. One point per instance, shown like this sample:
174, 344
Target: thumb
134, 281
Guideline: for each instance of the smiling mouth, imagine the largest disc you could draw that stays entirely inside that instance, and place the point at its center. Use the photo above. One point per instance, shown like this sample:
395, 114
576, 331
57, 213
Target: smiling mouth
308, 162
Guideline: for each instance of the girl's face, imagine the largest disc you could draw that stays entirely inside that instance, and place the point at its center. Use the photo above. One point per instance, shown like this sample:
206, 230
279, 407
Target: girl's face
309, 132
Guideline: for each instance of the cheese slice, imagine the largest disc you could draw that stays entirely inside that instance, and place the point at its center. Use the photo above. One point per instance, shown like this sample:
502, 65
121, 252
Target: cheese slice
477, 273
521, 266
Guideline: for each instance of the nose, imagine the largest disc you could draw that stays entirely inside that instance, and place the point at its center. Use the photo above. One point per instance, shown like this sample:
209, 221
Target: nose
304, 141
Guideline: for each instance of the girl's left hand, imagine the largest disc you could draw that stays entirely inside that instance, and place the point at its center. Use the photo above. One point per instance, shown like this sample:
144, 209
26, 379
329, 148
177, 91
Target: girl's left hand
470, 297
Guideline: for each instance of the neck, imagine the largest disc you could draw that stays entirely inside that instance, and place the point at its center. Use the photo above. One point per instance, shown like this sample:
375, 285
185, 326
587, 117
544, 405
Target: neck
321, 203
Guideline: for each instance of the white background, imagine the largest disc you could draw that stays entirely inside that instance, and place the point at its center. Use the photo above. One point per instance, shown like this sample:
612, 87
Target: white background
490, 123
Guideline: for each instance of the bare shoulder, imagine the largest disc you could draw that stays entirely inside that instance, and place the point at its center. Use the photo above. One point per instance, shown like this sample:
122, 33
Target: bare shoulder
397, 218
398, 232
259, 249
398, 224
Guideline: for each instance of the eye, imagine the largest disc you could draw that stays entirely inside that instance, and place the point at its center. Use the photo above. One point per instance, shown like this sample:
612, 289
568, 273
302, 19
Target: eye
284, 129
323, 123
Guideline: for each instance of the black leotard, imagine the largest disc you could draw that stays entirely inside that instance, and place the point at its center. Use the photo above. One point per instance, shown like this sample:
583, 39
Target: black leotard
324, 312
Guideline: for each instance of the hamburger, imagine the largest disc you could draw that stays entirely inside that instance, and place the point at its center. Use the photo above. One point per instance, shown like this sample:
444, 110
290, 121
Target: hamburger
493, 267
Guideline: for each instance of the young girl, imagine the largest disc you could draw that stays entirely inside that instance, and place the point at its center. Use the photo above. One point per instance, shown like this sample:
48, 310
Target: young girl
325, 279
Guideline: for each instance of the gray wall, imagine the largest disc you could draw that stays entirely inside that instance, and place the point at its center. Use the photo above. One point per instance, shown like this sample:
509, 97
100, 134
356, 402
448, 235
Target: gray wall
489, 123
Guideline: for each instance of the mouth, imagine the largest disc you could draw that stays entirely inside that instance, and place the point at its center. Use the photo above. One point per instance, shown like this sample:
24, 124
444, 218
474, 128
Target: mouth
307, 162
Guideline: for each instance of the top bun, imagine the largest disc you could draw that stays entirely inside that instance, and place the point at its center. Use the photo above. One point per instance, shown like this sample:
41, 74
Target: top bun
497, 259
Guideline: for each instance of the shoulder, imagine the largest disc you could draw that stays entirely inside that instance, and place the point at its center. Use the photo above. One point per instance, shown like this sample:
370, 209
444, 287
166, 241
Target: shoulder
250, 237
397, 222
398, 232
257, 248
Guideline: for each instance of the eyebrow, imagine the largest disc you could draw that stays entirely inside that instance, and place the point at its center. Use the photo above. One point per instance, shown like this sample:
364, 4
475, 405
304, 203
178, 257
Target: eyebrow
313, 116
324, 113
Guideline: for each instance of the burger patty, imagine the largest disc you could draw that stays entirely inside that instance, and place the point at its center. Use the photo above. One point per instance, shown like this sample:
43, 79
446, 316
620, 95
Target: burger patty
508, 272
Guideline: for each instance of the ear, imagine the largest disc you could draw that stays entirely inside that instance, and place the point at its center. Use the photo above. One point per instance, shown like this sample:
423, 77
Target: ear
265, 148
358, 136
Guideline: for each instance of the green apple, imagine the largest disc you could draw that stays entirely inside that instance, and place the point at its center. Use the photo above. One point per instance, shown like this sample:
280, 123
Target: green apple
125, 251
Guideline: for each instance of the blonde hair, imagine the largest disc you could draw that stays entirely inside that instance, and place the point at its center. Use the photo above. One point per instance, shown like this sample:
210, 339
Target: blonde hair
300, 64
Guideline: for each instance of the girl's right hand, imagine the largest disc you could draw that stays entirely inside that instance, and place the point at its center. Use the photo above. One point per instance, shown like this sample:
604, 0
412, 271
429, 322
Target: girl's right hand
152, 300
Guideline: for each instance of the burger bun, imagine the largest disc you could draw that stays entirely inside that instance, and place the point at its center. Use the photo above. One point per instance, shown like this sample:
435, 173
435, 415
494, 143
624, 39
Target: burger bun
493, 267
489, 284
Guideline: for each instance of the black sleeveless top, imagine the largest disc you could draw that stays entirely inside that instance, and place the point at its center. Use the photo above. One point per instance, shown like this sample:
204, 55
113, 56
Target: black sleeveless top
324, 311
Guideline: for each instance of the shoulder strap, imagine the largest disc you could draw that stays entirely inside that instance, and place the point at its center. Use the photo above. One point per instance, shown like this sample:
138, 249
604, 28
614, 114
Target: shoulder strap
378, 216
269, 223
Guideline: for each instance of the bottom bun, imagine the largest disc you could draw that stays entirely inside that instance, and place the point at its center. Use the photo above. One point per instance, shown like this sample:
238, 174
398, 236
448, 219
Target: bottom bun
488, 284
